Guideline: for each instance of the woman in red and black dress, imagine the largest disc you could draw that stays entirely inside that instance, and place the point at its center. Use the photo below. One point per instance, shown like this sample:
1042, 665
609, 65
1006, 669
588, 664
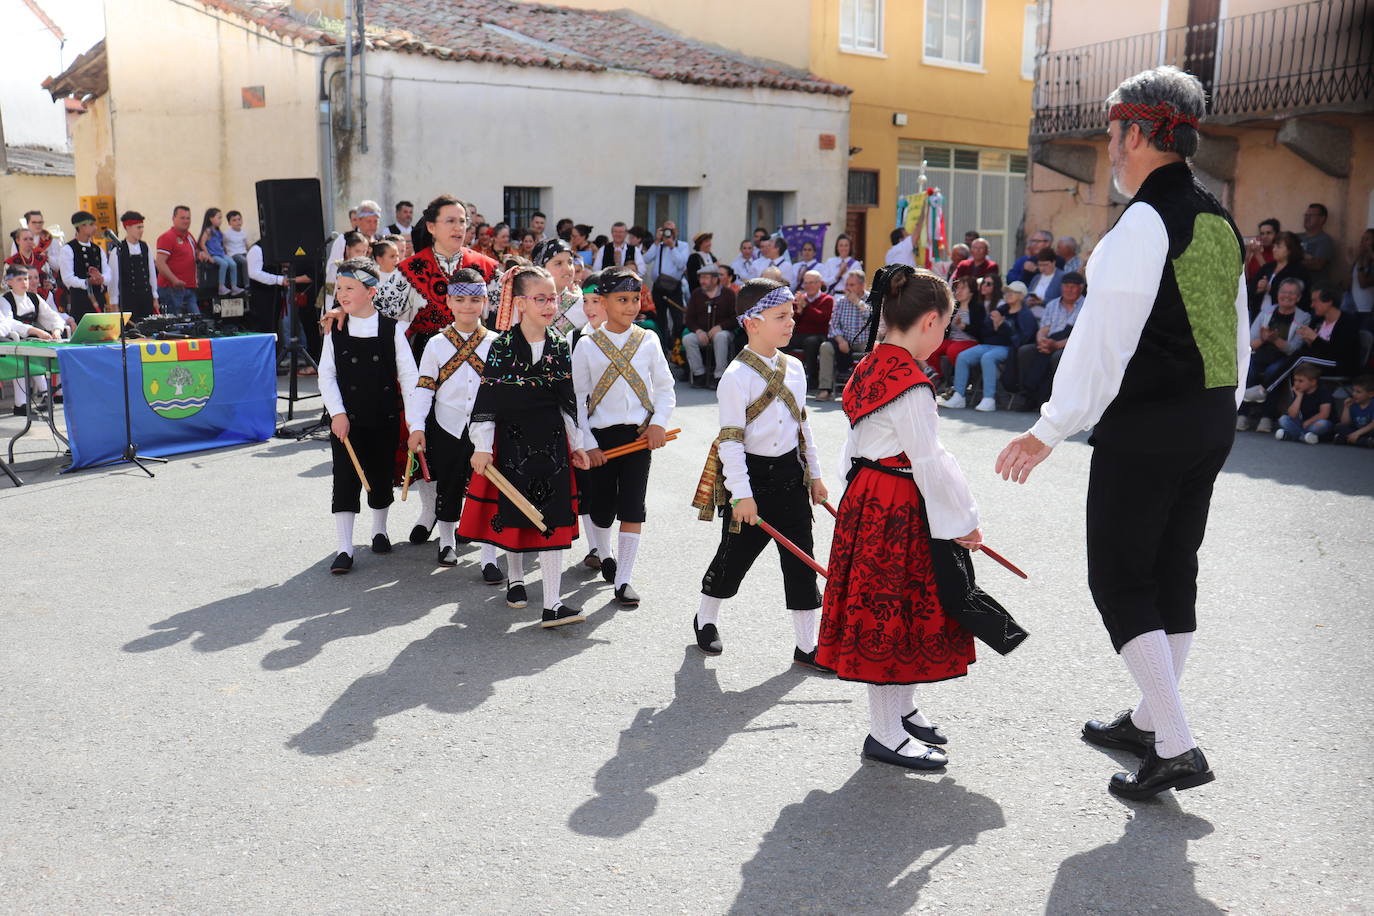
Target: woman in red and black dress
883, 622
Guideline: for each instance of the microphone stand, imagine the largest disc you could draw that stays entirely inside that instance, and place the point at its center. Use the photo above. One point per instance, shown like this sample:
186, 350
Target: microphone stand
130, 453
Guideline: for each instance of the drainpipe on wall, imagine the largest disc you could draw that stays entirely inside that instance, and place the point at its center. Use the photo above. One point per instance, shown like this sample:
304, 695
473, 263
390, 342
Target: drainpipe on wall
326, 138
362, 76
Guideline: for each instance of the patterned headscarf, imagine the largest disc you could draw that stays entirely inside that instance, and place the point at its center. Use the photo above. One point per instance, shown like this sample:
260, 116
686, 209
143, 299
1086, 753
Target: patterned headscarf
773, 297
547, 250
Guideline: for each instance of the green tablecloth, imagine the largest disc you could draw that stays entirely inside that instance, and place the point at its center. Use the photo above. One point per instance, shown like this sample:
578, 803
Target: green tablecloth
12, 367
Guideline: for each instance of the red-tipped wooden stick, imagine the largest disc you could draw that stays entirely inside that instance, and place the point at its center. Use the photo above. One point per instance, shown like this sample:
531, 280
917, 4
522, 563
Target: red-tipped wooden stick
831, 509
994, 555
793, 548
424, 466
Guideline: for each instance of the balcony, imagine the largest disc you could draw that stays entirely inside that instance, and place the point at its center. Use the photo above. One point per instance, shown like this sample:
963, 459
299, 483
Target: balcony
1308, 58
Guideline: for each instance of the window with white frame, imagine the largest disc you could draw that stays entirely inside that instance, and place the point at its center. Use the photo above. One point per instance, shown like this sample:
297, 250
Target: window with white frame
954, 32
861, 26
1030, 41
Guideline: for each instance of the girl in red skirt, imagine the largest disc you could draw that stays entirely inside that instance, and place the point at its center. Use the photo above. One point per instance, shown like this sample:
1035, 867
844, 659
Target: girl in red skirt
882, 622
524, 421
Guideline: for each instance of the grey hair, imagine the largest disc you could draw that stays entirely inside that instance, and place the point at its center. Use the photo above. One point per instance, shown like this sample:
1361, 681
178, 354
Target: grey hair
1071, 240
1171, 85
1292, 281
853, 271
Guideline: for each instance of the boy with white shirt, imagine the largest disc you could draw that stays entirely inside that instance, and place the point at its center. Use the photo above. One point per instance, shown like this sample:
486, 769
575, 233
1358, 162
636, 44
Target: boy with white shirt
23, 314
366, 355
236, 246
624, 391
763, 466
451, 368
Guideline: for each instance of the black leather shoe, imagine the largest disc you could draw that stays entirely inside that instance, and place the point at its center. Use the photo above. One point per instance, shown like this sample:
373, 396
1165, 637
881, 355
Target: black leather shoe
808, 660
461, 541
1158, 774
924, 734
932, 759
592, 560
608, 569
708, 638
515, 595
627, 596
342, 564
381, 543
447, 557
491, 574
561, 616
1120, 734
420, 534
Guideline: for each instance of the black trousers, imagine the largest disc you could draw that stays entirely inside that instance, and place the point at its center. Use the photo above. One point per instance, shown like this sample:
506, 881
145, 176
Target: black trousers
811, 356
618, 488
376, 448
785, 503
450, 464
1146, 518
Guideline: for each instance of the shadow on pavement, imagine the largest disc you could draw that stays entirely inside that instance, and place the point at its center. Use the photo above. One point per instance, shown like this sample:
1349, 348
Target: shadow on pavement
851, 850
1147, 870
661, 744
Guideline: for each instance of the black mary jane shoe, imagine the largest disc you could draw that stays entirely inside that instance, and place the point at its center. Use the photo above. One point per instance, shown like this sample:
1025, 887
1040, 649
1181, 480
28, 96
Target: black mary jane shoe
627, 596
708, 638
932, 759
1157, 775
922, 733
420, 534
342, 564
592, 560
608, 570
561, 616
491, 574
447, 557
381, 543
515, 595
1120, 734
808, 660
461, 541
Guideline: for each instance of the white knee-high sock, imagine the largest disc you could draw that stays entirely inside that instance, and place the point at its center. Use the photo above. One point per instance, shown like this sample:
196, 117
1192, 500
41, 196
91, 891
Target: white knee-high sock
445, 534
885, 719
804, 626
709, 610
379, 521
910, 712
429, 497
1179, 644
599, 538
627, 546
515, 567
587, 526
343, 527
488, 554
551, 571
1148, 659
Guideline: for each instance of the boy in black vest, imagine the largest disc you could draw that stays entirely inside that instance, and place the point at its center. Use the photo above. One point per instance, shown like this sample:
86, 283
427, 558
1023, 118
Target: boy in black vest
24, 315
366, 369
84, 268
133, 270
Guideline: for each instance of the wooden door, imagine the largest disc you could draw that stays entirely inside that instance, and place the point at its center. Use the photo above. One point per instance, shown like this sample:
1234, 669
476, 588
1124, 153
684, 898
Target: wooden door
1200, 46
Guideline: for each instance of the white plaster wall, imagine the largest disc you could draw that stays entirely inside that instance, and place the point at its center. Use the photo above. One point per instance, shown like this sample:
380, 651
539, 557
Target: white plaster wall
473, 128
30, 54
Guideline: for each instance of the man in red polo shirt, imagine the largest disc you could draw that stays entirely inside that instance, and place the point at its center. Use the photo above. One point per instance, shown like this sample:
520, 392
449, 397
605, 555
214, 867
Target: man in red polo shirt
978, 266
176, 266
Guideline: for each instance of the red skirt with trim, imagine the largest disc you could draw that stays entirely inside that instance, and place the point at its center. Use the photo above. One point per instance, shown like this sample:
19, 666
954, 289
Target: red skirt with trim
882, 622
484, 520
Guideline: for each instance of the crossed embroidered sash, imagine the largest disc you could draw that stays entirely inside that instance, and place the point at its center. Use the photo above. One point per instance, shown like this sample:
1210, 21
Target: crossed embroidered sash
466, 355
620, 367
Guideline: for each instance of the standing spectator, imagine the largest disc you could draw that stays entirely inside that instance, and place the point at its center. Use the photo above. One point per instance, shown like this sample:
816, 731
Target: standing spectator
563, 229
743, 266
1044, 285
365, 217
42, 238
700, 257
965, 323
847, 338
1357, 418
710, 324
1067, 250
760, 234
1308, 417
1362, 281
133, 270
1318, 248
528, 239
84, 268
580, 237
901, 251
667, 259
1038, 361
620, 252
1287, 265
808, 260
978, 265
813, 307
775, 256
236, 246
1006, 327
1026, 267
405, 219
539, 226
728, 279
27, 255
211, 248
500, 241
638, 236
176, 266
835, 270
1259, 250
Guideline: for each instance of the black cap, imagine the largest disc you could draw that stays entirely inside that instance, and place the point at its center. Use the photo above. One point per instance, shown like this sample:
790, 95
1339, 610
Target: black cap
1074, 276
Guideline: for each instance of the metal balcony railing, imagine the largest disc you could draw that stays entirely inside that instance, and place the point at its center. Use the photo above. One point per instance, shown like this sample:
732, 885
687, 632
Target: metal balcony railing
1311, 57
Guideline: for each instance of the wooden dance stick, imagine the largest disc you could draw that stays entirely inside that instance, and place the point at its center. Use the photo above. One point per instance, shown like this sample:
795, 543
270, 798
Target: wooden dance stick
405, 485
640, 443
831, 509
357, 465
424, 468
793, 548
994, 555
516, 497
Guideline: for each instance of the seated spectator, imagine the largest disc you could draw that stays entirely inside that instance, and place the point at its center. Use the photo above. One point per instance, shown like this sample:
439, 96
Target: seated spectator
1259, 250
1332, 335
1318, 249
957, 255
1287, 265
1274, 335
1308, 417
989, 292
1045, 285
964, 326
1006, 327
809, 260
1357, 417
813, 307
1067, 249
710, 324
1037, 361
1362, 281
848, 334
1025, 269
211, 248
978, 264
835, 271
236, 246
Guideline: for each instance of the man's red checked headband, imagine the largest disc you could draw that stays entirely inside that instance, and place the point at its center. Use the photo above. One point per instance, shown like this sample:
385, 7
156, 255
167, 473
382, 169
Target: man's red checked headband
1164, 116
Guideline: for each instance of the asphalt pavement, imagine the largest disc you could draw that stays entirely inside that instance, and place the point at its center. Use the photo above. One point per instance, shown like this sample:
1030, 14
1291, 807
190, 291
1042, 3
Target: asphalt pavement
197, 718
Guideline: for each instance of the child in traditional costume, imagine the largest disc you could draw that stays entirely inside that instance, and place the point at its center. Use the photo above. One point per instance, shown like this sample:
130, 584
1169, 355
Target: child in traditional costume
624, 391
763, 466
524, 423
438, 413
884, 623
366, 371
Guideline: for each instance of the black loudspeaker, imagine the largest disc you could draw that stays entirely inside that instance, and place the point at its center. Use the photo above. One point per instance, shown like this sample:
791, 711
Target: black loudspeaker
290, 220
